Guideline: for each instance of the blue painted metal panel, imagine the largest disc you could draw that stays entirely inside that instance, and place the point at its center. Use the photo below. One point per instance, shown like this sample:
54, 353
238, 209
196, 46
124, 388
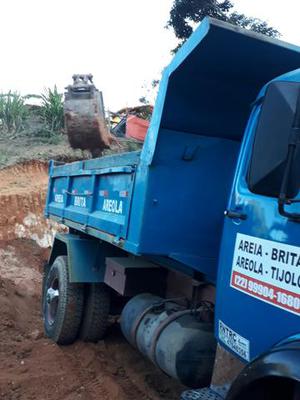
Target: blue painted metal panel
187, 189
271, 317
96, 197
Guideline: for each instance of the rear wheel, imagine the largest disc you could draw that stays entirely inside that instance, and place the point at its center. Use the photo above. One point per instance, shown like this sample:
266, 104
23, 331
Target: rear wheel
96, 312
62, 303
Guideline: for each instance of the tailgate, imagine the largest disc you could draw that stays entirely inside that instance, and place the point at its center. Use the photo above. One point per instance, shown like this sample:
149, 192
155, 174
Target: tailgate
98, 199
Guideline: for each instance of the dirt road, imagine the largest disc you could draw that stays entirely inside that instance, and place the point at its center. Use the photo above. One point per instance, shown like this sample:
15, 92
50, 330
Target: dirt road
32, 367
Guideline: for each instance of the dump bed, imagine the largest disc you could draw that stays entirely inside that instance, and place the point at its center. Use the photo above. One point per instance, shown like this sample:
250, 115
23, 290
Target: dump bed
169, 200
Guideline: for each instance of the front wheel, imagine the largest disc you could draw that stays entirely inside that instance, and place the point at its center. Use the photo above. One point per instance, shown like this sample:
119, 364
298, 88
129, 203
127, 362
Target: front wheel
62, 303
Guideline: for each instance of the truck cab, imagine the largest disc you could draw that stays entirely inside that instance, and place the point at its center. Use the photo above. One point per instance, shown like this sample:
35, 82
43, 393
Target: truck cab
258, 295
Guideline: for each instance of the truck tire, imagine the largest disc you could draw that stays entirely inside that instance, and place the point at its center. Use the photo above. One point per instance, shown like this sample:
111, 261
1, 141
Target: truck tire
62, 303
96, 312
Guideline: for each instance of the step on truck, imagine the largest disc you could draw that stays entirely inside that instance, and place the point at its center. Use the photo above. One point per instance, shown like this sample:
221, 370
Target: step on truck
195, 240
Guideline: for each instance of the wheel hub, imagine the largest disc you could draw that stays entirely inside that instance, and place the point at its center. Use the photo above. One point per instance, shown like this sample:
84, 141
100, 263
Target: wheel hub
52, 300
52, 294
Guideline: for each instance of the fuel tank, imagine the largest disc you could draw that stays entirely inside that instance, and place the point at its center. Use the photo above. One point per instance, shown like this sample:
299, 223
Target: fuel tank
174, 338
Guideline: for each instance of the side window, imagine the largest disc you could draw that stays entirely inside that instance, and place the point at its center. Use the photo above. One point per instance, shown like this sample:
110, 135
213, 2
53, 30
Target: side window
271, 142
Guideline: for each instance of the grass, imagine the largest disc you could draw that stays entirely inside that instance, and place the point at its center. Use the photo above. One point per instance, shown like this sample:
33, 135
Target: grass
13, 112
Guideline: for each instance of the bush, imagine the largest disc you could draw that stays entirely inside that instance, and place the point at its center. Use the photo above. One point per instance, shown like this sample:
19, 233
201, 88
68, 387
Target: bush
13, 112
52, 110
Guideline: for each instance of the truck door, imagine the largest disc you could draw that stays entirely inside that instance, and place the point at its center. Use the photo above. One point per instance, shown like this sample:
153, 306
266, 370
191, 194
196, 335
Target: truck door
258, 293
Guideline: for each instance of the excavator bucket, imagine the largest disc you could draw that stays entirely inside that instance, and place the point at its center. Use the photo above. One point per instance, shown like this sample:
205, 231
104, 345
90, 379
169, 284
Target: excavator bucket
84, 116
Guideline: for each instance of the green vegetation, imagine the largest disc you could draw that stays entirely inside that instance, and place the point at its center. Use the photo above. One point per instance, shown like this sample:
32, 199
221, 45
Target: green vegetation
13, 112
52, 110
44, 121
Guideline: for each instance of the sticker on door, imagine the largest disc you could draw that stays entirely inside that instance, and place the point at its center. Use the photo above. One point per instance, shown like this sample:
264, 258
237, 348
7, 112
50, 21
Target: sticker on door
268, 271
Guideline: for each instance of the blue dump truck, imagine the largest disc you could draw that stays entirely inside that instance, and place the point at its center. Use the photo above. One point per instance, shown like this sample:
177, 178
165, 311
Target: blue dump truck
195, 240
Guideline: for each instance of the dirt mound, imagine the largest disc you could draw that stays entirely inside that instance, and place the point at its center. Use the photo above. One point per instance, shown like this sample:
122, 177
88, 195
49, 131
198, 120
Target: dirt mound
34, 368
23, 190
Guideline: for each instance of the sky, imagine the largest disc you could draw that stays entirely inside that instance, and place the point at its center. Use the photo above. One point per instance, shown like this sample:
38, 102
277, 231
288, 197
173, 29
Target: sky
123, 43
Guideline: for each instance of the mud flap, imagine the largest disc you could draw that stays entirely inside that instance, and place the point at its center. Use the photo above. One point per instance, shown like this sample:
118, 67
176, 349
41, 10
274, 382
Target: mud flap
86, 257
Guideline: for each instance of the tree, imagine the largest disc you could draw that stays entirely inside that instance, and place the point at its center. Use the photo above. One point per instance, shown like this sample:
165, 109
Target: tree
185, 13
